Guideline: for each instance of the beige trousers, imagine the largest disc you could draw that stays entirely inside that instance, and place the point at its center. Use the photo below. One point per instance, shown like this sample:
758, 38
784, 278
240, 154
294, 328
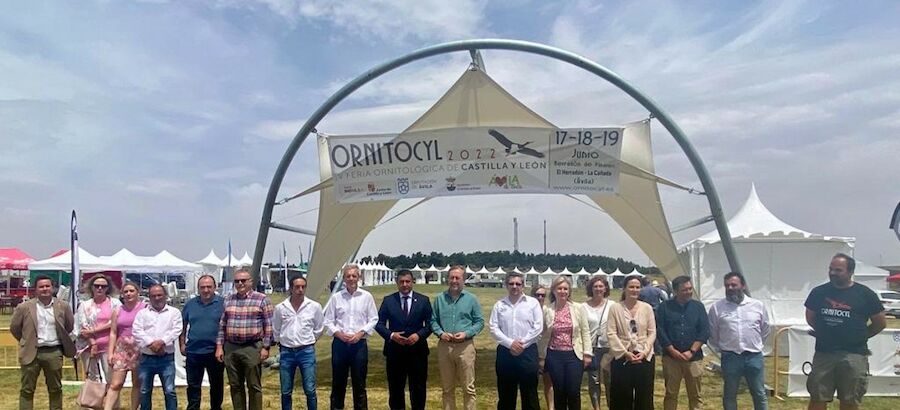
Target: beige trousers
673, 372
456, 362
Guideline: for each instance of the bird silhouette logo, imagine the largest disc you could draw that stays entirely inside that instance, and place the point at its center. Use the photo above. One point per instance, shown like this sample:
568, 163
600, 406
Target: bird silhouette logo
513, 148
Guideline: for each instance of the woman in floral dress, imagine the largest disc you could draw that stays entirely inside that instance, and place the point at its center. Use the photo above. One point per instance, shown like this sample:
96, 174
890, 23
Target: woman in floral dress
124, 353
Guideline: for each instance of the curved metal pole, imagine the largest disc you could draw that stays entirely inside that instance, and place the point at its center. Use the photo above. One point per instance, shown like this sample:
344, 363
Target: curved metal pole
495, 44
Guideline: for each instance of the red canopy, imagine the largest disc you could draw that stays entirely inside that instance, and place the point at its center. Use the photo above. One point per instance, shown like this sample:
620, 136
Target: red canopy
14, 258
894, 278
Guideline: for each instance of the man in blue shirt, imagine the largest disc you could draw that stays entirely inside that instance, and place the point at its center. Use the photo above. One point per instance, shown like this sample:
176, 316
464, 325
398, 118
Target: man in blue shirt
682, 328
201, 317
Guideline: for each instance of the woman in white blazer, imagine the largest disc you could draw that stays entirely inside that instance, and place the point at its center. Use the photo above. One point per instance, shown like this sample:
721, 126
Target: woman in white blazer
565, 346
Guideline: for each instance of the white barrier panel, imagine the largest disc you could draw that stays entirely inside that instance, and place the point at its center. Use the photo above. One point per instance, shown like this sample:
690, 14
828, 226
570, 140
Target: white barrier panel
884, 363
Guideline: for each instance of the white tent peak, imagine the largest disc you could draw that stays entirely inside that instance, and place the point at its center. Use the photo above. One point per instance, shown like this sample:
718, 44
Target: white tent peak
246, 260
754, 220
211, 259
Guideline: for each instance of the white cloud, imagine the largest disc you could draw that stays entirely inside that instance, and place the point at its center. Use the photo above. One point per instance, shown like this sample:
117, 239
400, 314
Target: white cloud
229, 173
391, 21
156, 186
381, 119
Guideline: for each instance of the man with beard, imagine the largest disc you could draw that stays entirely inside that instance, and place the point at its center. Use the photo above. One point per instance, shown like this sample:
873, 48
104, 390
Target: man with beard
738, 327
404, 321
41, 326
844, 315
456, 320
298, 322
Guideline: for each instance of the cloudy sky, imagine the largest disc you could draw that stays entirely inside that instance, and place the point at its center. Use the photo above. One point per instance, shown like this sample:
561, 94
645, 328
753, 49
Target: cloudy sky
162, 122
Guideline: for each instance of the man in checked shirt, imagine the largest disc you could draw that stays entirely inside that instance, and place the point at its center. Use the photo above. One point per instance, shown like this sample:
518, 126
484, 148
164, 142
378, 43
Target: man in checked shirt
245, 335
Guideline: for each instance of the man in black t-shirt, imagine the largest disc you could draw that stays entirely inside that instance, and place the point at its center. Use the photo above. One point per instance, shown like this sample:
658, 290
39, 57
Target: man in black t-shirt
843, 315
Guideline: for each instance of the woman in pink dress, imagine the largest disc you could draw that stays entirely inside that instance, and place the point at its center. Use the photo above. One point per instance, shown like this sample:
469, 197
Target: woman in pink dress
124, 353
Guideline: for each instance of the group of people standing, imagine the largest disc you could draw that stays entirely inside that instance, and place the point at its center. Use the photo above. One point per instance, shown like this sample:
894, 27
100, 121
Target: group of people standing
616, 343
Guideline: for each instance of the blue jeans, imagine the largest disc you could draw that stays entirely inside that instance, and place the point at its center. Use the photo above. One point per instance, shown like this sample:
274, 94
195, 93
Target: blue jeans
751, 367
164, 366
289, 360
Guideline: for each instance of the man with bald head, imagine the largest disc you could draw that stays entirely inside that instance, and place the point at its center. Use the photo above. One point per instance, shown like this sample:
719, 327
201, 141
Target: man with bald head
350, 317
155, 329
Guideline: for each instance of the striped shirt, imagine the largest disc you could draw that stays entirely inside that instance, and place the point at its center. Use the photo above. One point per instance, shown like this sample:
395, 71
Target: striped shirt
246, 319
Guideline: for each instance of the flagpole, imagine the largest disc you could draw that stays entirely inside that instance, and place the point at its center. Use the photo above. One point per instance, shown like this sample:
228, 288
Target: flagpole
73, 252
283, 258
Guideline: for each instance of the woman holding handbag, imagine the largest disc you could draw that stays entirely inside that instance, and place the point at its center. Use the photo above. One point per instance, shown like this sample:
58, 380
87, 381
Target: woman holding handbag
597, 309
93, 322
124, 353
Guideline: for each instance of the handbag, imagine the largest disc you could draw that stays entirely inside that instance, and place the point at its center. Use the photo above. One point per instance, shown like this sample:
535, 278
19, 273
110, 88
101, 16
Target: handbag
93, 391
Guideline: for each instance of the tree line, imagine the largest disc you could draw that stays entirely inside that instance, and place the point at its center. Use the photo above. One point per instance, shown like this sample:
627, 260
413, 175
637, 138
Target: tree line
523, 261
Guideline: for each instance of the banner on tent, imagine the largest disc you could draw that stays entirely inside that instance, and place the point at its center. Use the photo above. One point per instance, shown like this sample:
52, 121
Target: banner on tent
475, 161
884, 363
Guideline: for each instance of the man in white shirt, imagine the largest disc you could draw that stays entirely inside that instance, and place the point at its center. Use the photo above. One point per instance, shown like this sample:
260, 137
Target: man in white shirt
738, 327
156, 329
298, 323
350, 316
516, 324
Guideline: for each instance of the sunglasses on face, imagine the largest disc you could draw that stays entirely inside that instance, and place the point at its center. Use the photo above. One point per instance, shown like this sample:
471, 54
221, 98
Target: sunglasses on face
96, 286
241, 280
540, 295
516, 284
633, 326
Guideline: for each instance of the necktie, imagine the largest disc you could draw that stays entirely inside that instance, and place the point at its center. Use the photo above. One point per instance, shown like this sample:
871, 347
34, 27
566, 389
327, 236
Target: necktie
406, 305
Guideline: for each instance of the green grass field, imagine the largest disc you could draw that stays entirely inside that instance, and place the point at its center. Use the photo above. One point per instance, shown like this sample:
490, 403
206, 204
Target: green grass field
377, 384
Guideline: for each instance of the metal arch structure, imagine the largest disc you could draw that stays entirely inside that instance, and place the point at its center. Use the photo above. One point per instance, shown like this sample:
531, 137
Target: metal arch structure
472, 46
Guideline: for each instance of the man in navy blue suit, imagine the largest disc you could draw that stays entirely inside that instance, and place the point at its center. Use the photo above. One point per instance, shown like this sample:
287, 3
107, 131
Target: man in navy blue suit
404, 321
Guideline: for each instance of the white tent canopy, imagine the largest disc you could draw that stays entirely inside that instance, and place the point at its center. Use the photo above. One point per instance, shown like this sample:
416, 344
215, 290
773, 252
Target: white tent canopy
211, 259
63, 262
781, 263
475, 100
245, 260
583, 272
872, 276
123, 260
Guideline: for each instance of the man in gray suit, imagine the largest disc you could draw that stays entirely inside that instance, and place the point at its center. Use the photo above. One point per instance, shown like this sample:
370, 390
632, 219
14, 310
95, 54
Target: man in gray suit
42, 326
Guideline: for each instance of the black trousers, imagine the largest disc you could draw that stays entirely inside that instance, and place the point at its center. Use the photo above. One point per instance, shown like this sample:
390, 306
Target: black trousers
517, 374
403, 365
631, 385
566, 371
194, 366
352, 360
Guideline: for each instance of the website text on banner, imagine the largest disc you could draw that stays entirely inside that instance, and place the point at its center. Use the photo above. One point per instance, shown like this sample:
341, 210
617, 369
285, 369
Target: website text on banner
475, 161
